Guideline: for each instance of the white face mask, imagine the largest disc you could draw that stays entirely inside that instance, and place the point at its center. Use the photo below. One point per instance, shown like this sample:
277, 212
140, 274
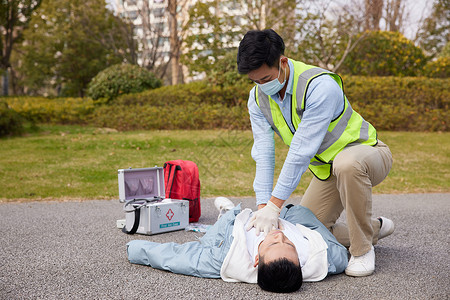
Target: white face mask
272, 87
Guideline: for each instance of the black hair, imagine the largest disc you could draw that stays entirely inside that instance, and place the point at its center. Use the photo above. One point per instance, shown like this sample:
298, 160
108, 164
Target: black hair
279, 276
259, 47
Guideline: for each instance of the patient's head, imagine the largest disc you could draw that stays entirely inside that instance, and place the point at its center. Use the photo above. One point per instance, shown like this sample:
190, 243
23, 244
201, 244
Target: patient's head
278, 264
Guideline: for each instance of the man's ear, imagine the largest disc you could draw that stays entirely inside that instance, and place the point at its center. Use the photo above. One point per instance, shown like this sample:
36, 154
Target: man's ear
256, 260
284, 61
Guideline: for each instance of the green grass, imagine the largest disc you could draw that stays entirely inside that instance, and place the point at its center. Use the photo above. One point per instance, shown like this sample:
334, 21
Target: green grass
72, 162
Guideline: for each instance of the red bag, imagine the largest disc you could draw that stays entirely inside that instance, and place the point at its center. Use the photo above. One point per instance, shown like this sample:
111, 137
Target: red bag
182, 182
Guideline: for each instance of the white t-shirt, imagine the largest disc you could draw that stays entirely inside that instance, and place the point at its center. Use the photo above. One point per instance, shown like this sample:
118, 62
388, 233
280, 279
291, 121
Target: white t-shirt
300, 242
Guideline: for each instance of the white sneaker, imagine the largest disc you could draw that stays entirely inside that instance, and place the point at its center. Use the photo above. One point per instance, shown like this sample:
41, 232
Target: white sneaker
387, 227
223, 205
363, 265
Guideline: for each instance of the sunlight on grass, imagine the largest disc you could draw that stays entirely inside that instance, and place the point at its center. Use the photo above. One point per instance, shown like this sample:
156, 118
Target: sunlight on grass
77, 162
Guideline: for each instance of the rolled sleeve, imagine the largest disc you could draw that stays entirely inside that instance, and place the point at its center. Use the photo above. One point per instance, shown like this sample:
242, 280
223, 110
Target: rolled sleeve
263, 151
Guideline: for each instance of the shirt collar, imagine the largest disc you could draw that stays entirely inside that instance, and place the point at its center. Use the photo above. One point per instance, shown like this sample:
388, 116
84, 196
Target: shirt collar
290, 86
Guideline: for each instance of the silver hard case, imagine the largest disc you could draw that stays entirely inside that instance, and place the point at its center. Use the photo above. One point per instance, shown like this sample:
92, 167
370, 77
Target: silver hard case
144, 188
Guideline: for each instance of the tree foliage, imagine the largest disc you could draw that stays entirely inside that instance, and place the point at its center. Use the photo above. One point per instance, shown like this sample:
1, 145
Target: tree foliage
216, 27
68, 43
385, 53
225, 72
14, 18
210, 37
435, 32
326, 35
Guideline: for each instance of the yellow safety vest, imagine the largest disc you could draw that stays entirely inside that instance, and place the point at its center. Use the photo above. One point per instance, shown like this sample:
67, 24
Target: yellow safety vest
347, 129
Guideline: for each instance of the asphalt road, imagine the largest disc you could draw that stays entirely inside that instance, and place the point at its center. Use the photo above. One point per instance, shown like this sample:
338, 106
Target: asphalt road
73, 250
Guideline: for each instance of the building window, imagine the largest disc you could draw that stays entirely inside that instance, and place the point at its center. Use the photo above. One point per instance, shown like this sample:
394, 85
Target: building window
159, 26
158, 12
132, 15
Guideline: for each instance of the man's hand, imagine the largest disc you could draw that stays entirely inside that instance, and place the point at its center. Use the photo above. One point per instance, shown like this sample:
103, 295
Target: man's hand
265, 219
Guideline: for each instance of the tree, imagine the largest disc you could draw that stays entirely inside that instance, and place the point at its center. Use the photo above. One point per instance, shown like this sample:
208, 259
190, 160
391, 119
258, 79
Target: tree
395, 15
174, 42
175, 8
329, 32
439, 67
385, 53
435, 31
14, 18
387, 15
150, 38
373, 10
70, 42
216, 27
326, 33
155, 39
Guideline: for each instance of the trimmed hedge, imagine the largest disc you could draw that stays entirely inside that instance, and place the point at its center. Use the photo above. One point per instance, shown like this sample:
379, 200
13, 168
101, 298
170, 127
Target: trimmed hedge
55, 111
191, 93
401, 103
191, 116
389, 103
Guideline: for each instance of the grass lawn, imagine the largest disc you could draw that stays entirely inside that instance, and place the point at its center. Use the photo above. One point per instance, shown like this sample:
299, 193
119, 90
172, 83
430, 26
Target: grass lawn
71, 162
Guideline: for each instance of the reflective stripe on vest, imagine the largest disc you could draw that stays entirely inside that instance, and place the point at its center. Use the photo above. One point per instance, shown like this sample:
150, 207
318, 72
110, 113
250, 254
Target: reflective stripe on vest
349, 128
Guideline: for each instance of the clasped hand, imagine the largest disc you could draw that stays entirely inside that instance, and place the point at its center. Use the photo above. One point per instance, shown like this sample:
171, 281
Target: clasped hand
265, 219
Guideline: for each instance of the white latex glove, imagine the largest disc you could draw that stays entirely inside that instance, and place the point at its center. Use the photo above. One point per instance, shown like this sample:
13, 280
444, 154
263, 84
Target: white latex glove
265, 219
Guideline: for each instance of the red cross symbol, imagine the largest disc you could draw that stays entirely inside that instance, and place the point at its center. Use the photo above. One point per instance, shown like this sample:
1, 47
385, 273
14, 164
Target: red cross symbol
170, 214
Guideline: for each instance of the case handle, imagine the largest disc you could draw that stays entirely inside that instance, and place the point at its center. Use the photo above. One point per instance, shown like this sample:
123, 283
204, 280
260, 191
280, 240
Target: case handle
137, 216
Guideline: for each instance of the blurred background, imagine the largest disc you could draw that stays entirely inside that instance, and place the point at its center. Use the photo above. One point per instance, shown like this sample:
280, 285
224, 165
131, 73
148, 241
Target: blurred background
56, 48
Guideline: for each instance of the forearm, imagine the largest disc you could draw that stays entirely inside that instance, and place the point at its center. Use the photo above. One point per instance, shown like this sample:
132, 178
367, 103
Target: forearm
322, 106
263, 153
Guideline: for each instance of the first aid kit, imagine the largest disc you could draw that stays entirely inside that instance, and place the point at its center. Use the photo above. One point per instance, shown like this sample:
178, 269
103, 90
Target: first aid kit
147, 211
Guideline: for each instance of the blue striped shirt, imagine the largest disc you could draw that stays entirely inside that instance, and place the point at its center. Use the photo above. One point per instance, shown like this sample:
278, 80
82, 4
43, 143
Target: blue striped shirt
324, 103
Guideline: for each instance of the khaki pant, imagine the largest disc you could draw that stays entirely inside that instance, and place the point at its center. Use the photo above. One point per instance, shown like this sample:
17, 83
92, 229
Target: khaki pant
355, 171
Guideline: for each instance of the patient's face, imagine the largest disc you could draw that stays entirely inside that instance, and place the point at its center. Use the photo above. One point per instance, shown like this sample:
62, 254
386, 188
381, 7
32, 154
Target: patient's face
276, 245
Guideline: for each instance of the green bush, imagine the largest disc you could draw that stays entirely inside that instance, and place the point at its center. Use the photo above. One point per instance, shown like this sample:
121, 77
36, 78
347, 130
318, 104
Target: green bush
121, 79
401, 103
389, 103
10, 121
190, 93
439, 68
52, 110
384, 53
187, 116
225, 72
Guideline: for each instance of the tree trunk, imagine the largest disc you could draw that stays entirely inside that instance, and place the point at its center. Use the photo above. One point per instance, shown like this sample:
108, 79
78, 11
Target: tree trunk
174, 44
373, 13
5, 82
394, 15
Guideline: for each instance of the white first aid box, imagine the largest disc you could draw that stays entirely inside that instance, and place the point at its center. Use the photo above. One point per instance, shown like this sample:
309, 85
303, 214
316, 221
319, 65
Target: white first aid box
146, 209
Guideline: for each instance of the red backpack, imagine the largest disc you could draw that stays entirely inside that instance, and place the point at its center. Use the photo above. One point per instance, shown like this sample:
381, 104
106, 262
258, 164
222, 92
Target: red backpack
182, 182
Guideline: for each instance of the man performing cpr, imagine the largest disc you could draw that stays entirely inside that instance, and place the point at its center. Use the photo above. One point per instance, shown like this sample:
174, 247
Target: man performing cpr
306, 106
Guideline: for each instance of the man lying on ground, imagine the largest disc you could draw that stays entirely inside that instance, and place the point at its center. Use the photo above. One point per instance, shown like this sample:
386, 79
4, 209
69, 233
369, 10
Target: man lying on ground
303, 249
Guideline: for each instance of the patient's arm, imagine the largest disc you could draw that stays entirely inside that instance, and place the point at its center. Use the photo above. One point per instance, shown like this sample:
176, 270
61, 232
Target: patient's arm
192, 258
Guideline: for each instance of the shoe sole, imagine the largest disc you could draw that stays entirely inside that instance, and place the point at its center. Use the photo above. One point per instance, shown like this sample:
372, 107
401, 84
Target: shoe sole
388, 233
358, 274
